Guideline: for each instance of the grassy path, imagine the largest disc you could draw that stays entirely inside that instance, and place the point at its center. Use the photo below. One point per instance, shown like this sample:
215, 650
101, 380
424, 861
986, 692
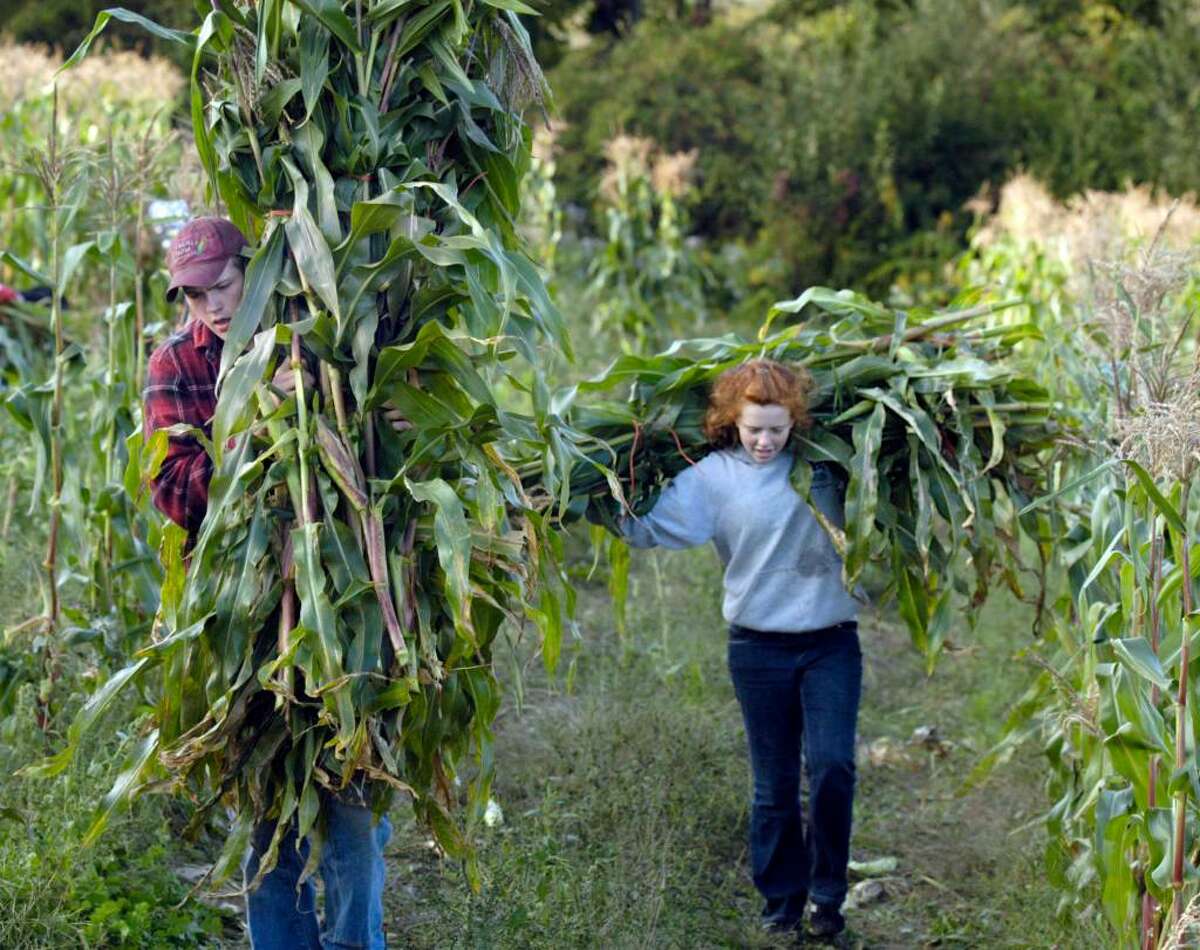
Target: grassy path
624, 787
625, 796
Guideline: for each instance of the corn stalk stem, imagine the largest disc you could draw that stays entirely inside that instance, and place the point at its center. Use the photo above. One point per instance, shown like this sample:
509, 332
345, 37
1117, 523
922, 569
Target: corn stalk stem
1181, 712
339, 401
385, 78
926, 328
139, 312
303, 511
56, 412
110, 376
10, 503
1149, 904
287, 623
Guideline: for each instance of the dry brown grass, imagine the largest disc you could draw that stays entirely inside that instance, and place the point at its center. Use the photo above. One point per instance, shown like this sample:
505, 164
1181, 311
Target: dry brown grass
1130, 257
1164, 437
1186, 932
1097, 225
628, 158
104, 80
672, 174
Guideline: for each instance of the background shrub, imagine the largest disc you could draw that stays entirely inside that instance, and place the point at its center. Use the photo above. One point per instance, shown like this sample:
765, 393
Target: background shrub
831, 135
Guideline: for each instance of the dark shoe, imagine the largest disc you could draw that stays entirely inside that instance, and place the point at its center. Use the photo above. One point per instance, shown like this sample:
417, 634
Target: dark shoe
827, 921
784, 915
784, 928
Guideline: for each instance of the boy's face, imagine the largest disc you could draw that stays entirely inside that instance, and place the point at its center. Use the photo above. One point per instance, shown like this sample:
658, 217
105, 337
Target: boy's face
215, 306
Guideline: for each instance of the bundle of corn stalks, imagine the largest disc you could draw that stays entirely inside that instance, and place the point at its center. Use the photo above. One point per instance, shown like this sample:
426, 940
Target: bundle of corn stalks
336, 620
940, 440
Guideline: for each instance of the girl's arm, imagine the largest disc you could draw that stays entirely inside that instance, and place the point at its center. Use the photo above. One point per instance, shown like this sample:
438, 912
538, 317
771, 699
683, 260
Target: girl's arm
683, 516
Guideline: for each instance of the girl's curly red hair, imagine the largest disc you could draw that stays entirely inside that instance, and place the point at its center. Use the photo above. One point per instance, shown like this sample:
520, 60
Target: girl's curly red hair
759, 381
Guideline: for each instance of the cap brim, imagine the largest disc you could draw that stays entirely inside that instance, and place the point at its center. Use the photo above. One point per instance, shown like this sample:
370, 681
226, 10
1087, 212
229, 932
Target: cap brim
199, 274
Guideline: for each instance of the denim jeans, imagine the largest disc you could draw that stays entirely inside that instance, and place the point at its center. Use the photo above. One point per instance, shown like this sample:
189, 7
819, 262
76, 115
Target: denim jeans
799, 692
283, 916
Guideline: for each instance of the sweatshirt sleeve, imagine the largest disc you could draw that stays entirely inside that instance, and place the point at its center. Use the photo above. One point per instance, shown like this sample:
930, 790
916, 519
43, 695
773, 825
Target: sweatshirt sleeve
682, 517
180, 491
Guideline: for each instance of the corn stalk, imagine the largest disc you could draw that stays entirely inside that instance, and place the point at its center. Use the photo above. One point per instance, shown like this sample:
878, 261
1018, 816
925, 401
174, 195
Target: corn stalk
1116, 699
336, 619
52, 172
939, 441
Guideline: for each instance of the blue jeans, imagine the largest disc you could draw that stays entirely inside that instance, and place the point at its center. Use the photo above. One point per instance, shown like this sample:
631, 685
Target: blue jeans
799, 691
283, 916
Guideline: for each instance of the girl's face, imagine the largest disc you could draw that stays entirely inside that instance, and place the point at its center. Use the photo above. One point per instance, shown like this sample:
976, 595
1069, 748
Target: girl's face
215, 306
763, 430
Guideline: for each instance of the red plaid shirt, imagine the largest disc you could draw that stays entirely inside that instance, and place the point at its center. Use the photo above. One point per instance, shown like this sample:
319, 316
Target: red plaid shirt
181, 380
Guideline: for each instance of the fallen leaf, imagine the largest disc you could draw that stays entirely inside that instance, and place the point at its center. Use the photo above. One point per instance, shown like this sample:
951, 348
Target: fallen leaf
866, 892
877, 868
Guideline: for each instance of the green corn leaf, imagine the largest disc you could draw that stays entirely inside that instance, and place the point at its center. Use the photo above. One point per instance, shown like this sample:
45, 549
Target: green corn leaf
310, 140
204, 146
919, 423
72, 258
308, 248
1137, 655
862, 496
418, 27
138, 768
919, 485
98, 703
235, 406
1070, 486
453, 546
276, 100
330, 15
262, 278
124, 16
1168, 511
12, 260
516, 6
314, 64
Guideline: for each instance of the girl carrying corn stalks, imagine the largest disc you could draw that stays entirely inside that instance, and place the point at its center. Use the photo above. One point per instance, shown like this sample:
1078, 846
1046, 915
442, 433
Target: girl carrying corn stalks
793, 647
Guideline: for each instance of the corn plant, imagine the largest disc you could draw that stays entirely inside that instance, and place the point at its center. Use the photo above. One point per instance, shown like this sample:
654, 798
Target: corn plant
336, 617
1115, 703
645, 285
940, 439
78, 401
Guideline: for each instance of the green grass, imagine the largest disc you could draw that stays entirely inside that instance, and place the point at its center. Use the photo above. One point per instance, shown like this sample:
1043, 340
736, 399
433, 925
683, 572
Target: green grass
54, 892
626, 797
120, 892
624, 784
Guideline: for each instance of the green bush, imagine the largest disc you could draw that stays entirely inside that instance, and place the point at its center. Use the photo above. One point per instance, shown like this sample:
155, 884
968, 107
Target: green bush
830, 135
686, 88
55, 891
1129, 107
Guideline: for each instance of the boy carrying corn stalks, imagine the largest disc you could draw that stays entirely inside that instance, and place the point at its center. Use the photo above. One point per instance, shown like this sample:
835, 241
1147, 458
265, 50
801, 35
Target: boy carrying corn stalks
207, 262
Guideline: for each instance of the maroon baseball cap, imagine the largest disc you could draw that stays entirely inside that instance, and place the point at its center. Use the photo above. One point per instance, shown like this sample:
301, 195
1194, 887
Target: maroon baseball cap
200, 252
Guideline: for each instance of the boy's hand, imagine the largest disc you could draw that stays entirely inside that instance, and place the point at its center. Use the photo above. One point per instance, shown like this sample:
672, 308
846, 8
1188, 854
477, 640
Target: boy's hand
285, 379
395, 418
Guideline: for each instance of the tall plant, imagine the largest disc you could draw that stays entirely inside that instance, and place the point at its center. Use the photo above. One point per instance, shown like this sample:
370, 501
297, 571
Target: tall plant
1116, 708
336, 619
645, 285
68, 377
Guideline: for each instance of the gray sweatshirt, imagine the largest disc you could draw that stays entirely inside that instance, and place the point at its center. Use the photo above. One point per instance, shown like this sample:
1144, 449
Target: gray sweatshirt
782, 573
